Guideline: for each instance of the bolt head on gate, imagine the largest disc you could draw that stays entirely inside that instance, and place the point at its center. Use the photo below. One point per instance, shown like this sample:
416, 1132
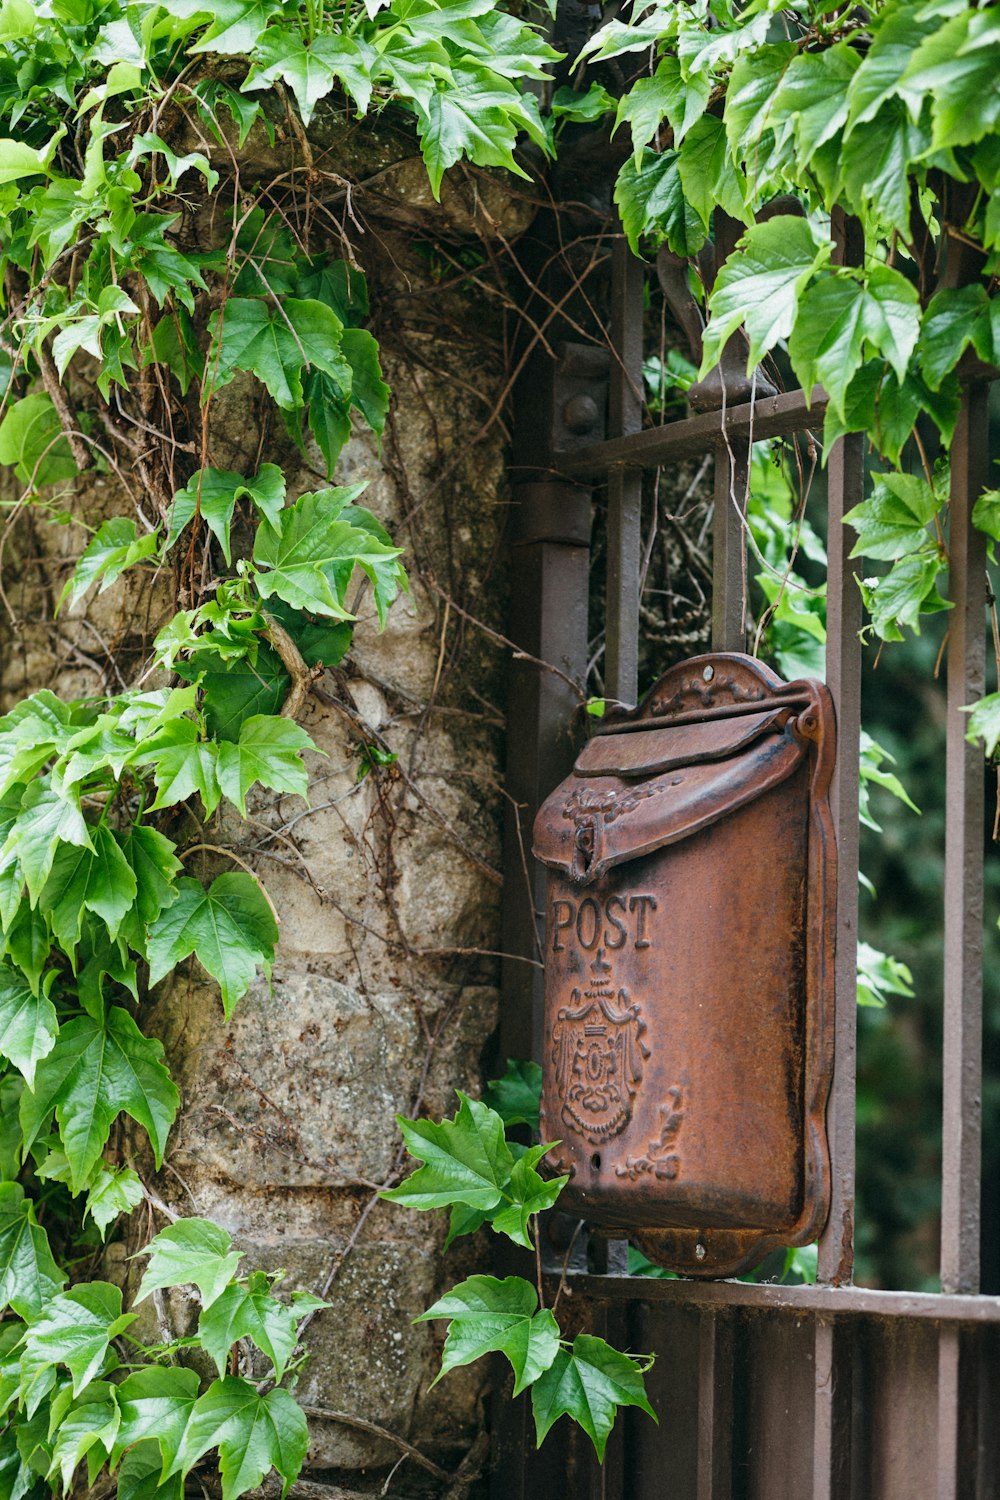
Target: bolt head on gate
689, 968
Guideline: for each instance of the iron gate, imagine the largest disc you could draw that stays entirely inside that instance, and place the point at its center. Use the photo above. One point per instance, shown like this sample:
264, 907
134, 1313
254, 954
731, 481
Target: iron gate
765, 1392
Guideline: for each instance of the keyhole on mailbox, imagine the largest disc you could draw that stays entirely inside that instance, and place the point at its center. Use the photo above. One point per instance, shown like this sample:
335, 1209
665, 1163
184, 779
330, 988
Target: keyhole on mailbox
595, 1161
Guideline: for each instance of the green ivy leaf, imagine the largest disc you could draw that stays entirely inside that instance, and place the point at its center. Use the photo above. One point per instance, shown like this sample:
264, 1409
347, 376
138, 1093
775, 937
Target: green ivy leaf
707, 174
312, 70
28, 943
29, 1276
840, 317
461, 1220
475, 115
759, 285
17, 19
139, 1474
191, 1252
81, 1425
266, 490
100, 958
253, 1434
813, 97
156, 1402
19, 160
382, 565
956, 67
902, 595
64, 894
230, 928
11, 1086
114, 547
515, 1096
898, 31
249, 1311
235, 24
28, 1024
313, 548
31, 438
111, 882
586, 106
276, 344
984, 722
174, 343
233, 692
47, 818
155, 866
489, 1316
466, 1160
213, 493
113, 1192
893, 521
877, 167
955, 318
753, 86
94, 1073
369, 392
881, 975
269, 750
210, 493
876, 402
588, 1383
667, 95
650, 198
75, 1329
183, 763
873, 757
329, 415
531, 1194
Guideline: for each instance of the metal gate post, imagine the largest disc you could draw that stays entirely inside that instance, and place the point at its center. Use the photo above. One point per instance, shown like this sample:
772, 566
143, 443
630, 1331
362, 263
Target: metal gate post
563, 406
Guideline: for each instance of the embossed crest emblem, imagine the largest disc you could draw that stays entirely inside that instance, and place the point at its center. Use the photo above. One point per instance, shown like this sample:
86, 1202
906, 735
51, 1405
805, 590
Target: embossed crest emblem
598, 1052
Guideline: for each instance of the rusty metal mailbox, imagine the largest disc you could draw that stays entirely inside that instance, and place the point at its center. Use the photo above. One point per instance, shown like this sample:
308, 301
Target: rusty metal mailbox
689, 967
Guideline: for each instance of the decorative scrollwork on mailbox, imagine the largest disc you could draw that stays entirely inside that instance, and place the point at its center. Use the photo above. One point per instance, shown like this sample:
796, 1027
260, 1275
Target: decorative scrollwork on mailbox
598, 1052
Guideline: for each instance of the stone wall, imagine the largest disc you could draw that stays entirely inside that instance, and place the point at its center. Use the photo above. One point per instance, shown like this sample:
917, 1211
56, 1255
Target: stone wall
383, 994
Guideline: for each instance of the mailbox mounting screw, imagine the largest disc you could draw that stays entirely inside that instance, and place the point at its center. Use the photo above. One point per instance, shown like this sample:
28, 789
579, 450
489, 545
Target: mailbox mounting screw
708, 673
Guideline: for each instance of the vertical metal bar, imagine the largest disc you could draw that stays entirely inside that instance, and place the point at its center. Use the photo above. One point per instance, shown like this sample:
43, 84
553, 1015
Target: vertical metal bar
731, 475
949, 1361
963, 874
607, 1479
843, 674
958, 1429
715, 1406
833, 1357
729, 550
548, 620
621, 649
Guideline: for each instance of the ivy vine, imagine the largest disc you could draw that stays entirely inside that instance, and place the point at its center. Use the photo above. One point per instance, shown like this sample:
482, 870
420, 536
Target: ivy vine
115, 325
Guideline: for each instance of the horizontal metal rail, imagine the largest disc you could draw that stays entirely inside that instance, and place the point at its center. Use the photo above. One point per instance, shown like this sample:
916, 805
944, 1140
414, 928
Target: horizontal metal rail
822, 1301
777, 416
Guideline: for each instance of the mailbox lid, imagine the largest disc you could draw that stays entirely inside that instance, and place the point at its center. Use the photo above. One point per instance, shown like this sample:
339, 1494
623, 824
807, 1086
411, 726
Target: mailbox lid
635, 792
646, 752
